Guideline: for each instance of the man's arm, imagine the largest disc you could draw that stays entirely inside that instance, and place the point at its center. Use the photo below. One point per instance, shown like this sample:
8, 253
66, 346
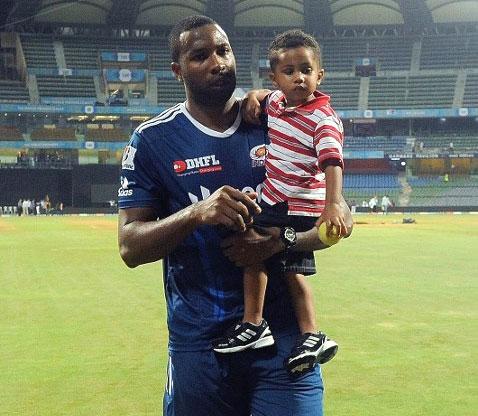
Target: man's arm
251, 248
144, 239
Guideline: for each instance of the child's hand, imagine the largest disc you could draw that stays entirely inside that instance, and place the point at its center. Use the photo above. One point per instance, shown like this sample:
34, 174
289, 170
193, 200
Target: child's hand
333, 214
251, 106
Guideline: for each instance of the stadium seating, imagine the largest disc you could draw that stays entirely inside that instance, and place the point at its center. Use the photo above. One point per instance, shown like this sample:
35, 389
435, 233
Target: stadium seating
344, 92
449, 51
13, 92
170, 92
242, 51
440, 143
363, 187
392, 144
106, 135
38, 51
84, 52
470, 98
71, 86
8, 133
53, 133
433, 191
417, 91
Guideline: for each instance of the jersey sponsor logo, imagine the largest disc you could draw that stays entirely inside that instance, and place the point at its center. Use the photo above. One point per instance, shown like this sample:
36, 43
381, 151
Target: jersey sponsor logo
205, 193
128, 158
124, 190
258, 155
202, 164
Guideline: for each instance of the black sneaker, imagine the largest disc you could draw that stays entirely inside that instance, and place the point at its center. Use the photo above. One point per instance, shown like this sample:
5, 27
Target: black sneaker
309, 350
244, 335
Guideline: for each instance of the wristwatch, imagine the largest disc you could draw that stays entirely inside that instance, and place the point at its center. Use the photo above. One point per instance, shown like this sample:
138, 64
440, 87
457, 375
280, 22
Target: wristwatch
288, 236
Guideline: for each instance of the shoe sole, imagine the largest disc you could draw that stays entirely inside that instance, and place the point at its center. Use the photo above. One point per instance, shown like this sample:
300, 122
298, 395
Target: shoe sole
260, 343
307, 361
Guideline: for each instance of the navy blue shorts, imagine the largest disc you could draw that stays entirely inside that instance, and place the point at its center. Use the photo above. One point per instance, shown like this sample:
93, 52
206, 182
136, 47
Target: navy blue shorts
302, 262
251, 382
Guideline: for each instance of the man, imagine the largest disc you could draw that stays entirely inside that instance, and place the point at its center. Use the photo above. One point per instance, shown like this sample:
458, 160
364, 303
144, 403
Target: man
187, 174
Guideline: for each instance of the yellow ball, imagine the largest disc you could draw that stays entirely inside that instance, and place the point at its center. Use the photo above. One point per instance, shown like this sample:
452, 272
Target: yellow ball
328, 240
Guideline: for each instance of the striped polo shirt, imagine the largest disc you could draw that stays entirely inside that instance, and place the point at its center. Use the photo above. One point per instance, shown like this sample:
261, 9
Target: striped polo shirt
303, 140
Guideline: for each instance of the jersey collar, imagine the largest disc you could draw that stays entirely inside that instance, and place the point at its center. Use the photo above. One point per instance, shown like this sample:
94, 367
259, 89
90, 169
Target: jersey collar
210, 132
320, 100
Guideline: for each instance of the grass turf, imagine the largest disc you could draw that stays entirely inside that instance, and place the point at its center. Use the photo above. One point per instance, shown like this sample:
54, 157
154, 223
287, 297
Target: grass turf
80, 334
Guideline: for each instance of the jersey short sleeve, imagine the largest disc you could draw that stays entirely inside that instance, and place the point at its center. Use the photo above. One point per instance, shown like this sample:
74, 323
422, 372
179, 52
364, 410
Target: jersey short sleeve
328, 142
139, 185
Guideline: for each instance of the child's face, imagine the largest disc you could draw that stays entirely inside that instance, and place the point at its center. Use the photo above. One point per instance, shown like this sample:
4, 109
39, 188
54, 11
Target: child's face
297, 74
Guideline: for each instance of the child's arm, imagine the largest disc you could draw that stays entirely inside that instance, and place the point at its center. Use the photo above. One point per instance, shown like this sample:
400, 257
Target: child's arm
333, 213
251, 105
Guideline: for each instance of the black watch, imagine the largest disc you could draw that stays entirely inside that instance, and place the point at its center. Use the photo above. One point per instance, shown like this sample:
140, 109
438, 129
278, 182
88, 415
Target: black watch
288, 236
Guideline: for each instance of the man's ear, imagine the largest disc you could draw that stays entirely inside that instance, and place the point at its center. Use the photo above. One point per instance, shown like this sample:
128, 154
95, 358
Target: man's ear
273, 79
176, 68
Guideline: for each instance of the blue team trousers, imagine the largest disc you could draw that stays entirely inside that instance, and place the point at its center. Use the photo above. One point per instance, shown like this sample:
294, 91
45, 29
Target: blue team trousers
251, 382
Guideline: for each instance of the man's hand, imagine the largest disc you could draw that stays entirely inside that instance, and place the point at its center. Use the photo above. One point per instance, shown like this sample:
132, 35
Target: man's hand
250, 248
227, 206
251, 105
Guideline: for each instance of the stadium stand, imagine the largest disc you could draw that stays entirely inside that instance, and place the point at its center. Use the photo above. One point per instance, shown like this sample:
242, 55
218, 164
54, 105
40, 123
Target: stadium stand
106, 133
460, 143
344, 92
414, 91
8, 133
13, 92
71, 86
53, 133
170, 92
449, 51
470, 98
243, 52
433, 191
360, 187
392, 144
38, 51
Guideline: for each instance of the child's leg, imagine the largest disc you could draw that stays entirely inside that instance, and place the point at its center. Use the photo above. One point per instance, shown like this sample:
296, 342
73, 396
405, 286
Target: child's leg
312, 347
253, 331
303, 302
255, 282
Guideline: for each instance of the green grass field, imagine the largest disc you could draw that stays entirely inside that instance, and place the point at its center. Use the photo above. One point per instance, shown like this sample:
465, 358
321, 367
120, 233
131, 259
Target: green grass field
80, 334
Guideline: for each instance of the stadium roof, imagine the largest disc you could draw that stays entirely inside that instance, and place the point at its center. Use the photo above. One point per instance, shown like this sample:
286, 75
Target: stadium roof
242, 13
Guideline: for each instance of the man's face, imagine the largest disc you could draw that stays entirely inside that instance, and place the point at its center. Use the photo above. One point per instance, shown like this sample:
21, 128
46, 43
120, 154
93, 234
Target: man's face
207, 65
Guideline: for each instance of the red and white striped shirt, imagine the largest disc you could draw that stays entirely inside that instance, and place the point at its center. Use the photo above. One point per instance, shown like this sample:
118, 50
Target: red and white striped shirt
302, 138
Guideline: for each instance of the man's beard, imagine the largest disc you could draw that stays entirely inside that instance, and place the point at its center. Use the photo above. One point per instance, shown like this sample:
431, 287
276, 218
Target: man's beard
211, 96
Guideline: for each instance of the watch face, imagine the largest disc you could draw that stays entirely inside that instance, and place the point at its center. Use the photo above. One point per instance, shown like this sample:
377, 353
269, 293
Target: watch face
289, 235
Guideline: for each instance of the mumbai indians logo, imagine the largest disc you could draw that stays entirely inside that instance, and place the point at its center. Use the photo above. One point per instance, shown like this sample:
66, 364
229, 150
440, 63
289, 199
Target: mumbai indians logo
128, 158
258, 155
202, 164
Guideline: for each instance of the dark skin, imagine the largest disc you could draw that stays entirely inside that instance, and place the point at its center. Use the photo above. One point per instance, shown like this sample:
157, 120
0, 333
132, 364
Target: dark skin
205, 61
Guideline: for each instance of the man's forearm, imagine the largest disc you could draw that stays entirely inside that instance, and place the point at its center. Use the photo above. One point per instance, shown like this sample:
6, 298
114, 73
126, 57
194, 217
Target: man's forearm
145, 241
309, 240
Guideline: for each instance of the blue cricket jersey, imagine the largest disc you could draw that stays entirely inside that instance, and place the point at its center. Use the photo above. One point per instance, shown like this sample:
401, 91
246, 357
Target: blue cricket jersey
171, 162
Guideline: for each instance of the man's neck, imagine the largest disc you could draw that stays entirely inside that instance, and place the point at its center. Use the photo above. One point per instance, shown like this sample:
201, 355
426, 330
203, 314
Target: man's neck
216, 118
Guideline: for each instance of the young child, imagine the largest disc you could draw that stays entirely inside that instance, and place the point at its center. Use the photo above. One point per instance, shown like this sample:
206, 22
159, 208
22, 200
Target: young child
303, 182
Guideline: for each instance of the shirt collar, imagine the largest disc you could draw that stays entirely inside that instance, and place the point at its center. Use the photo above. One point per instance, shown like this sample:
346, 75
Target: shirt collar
320, 100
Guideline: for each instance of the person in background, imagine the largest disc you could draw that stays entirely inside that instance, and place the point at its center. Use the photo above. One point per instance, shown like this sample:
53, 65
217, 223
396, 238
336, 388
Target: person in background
386, 204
